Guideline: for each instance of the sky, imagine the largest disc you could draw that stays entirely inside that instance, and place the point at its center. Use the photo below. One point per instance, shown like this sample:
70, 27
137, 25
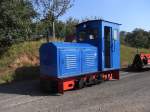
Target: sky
130, 13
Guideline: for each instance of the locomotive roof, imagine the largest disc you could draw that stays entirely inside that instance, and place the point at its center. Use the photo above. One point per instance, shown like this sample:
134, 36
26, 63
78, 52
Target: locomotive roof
97, 21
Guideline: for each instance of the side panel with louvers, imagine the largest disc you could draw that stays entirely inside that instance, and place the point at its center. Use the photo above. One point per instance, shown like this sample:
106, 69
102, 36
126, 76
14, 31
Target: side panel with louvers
89, 61
70, 62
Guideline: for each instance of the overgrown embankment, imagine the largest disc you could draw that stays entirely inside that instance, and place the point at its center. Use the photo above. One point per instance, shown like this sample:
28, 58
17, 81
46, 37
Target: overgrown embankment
21, 61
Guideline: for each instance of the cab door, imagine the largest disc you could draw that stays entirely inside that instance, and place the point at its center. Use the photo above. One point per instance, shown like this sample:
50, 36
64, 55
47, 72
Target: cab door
107, 47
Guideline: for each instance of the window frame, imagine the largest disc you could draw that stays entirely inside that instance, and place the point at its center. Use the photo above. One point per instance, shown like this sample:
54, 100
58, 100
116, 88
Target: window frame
115, 34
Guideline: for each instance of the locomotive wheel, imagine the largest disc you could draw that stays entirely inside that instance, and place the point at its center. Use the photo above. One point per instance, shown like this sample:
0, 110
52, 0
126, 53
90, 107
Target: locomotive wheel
98, 79
90, 81
80, 84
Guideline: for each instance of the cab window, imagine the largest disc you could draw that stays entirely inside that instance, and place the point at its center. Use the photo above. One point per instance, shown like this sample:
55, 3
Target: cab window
115, 34
82, 36
89, 34
92, 34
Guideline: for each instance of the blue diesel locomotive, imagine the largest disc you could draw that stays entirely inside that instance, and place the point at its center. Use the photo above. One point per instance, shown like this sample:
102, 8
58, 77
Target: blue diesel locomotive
95, 57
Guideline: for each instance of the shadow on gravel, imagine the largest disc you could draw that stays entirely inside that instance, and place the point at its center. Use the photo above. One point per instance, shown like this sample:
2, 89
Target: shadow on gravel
145, 69
26, 82
24, 88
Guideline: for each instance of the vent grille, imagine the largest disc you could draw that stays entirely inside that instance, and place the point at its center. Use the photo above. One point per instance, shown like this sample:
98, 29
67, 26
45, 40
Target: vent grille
90, 59
70, 61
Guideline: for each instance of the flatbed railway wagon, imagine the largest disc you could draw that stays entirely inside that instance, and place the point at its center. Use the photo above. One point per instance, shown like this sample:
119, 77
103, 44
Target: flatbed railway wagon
94, 58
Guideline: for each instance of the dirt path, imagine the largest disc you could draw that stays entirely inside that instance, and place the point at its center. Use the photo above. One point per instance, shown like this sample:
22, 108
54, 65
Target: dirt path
130, 94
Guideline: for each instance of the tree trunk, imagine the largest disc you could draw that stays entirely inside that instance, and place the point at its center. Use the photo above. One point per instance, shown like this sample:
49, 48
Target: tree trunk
54, 33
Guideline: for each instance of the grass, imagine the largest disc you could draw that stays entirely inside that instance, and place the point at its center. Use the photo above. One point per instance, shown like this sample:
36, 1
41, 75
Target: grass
10, 69
7, 77
21, 61
30, 48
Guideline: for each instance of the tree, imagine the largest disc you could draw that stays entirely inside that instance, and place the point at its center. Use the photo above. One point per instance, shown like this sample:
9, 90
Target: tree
63, 29
51, 10
138, 38
70, 26
122, 37
16, 19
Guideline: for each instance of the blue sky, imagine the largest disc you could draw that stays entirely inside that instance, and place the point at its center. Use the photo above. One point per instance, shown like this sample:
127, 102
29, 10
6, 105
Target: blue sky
130, 13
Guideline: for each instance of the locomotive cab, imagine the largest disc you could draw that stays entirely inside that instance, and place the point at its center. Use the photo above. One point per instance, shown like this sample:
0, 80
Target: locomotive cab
105, 36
